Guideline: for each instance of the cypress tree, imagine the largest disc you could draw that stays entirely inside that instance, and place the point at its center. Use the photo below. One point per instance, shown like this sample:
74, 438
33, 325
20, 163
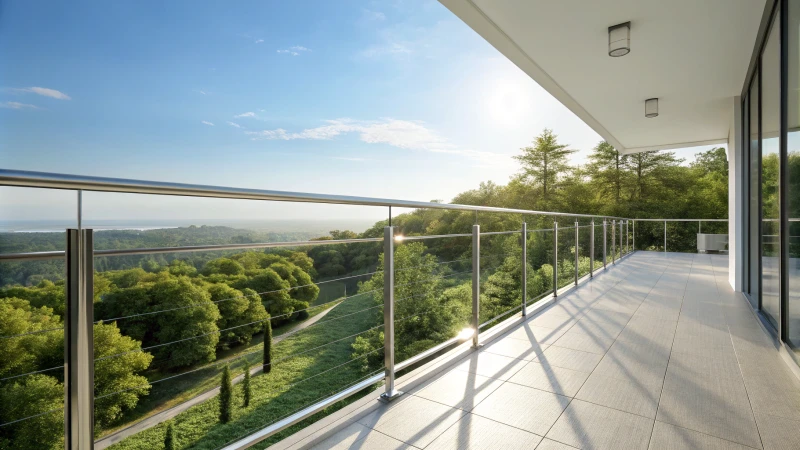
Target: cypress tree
226, 396
267, 347
246, 383
169, 438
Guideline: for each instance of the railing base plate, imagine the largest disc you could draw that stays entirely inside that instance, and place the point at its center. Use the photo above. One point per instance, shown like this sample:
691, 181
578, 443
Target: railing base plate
386, 398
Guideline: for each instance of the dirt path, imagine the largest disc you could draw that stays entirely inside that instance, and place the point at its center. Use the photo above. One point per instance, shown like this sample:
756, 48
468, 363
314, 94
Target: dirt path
168, 414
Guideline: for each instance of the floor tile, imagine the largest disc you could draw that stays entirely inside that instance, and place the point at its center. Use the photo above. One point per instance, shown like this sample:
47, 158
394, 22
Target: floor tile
533, 333
413, 420
578, 340
569, 358
550, 378
458, 389
719, 407
490, 365
636, 395
549, 444
778, 433
478, 433
587, 426
515, 348
523, 407
357, 436
670, 437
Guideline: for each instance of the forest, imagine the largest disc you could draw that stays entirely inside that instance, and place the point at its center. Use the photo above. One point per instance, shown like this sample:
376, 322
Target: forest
200, 316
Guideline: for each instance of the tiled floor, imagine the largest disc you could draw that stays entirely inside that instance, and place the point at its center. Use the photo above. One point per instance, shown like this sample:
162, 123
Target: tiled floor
657, 353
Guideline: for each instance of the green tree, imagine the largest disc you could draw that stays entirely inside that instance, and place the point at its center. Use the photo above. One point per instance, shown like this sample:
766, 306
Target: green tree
117, 383
170, 443
223, 266
41, 398
425, 318
226, 396
186, 327
267, 362
241, 313
648, 170
545, 162
246, 388
607, 171
32, 349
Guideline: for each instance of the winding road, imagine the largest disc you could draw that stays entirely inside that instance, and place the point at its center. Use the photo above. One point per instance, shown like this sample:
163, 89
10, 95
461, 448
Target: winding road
168, 414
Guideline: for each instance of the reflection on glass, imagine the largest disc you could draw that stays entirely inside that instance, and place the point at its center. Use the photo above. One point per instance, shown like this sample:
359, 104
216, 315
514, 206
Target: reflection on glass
793, 147
770, 175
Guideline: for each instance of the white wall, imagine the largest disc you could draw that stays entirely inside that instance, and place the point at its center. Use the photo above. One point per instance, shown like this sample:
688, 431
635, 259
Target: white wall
735, 191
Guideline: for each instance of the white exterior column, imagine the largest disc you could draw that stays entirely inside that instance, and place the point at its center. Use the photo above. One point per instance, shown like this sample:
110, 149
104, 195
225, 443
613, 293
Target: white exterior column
735, 196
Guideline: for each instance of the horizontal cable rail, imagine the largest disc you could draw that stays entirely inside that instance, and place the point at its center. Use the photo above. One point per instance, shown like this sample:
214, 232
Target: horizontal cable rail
60, 408
31, 373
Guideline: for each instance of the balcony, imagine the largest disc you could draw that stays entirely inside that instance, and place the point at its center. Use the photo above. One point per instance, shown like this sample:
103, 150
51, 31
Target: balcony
657, 352
575, 339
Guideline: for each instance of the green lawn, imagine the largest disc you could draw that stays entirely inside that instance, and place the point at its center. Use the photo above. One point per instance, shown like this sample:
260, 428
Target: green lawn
280, 392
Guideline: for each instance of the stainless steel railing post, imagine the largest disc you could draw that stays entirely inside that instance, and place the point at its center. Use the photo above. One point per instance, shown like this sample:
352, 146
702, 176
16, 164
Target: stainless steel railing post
613, 242
665, 236
627, 236
555, 258
591, 251
524, 269
388, 314
621, 242
576, 251
79, 341
605, 242
476, 282
634, 235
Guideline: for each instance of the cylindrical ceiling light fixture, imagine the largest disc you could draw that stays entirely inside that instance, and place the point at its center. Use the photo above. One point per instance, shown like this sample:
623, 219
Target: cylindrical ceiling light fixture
651, 107
619, 39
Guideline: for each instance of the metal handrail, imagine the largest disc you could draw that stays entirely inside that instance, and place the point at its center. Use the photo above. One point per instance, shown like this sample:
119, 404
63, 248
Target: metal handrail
45, 180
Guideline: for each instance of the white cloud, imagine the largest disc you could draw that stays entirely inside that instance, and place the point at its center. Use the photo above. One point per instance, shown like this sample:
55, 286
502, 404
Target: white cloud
247, 114
52, 93
234, 124
207, 123
18, 105
372, 16
405, 134
294, 50
258, 41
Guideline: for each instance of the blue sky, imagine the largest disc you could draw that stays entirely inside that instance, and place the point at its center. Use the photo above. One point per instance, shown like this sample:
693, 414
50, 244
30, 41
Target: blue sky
395, 99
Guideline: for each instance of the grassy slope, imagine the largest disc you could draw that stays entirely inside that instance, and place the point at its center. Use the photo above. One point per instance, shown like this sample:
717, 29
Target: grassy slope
282, 391
173, 392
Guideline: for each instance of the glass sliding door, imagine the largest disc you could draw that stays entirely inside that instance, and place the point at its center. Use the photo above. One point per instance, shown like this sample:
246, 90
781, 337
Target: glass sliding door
770, 176
753, 197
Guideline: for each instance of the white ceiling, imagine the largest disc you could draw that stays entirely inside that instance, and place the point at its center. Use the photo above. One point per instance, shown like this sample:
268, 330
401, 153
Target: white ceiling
691, 54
